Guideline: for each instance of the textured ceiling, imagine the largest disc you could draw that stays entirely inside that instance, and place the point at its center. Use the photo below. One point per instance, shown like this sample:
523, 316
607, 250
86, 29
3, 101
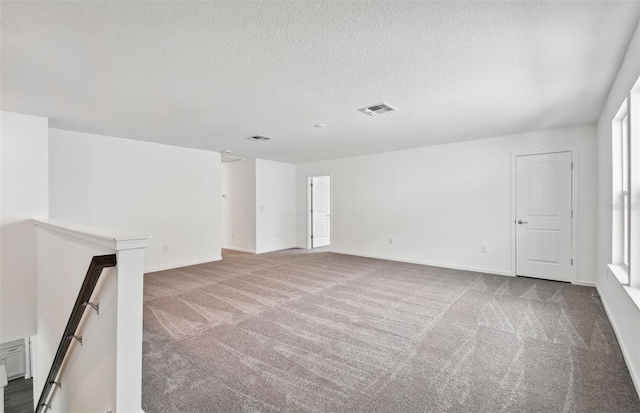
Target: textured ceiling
209, 74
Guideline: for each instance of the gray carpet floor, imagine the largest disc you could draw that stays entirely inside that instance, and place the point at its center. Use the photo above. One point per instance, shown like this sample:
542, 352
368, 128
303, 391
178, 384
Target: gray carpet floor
294, 331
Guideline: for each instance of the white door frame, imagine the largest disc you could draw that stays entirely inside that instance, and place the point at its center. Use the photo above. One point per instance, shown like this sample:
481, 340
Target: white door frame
574, 205
309, 223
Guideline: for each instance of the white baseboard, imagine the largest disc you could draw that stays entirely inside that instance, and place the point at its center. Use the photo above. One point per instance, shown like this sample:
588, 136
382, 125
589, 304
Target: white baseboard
585, 283
184, 264
276, 249
239, 249
625, 353
433, 264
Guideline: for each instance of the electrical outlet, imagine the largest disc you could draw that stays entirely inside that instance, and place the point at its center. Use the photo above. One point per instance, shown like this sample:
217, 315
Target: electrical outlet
165, 247
390, 240
277, 234
233, 235
483, 248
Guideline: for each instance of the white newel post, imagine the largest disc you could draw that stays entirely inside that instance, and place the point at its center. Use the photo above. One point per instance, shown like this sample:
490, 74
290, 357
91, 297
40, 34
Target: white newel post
130, 270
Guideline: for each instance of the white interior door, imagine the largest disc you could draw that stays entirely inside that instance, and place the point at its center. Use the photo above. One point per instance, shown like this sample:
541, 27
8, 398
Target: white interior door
320, 211
543, 216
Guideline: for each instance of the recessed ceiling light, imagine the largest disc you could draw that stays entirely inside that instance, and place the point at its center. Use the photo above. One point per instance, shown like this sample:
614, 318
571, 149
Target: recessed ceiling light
320, 125
227, 151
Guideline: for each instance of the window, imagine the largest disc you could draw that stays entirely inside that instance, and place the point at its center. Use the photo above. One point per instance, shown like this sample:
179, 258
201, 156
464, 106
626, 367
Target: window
626, 189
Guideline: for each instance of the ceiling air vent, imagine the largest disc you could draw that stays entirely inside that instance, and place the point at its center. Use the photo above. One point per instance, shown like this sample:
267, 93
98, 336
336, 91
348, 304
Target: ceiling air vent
259, 138
227, 158
378, 109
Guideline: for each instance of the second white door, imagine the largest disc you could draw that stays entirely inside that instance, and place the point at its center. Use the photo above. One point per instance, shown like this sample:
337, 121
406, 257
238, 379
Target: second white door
320, 211
543, 216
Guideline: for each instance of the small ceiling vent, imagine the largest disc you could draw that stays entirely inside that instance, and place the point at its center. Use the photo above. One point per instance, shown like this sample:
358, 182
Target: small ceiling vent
227, 158
378, 109
259, 138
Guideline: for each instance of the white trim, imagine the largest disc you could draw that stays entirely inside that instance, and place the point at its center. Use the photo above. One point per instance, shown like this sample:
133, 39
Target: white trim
27, 357
308, 214
585, 283
3, 376
184, 264
620, 273
430, 263
625, 353
239, 249
633, 131
104, 237
574, 206
275, 249
3, 384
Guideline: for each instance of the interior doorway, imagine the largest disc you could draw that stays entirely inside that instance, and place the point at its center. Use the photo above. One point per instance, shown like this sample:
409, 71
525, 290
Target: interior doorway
544, 215
319, 215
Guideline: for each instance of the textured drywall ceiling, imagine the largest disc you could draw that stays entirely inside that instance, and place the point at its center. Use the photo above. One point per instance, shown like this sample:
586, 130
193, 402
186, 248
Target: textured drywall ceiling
209, 74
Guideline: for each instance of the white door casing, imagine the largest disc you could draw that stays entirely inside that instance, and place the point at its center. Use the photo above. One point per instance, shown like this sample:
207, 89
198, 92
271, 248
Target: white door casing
320, 211
543, 194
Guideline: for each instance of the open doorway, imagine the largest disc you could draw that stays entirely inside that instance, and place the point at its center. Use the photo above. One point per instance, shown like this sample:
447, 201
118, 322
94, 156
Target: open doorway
319, 213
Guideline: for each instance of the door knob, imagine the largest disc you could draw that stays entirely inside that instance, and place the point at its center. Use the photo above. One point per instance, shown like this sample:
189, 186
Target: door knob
522, 222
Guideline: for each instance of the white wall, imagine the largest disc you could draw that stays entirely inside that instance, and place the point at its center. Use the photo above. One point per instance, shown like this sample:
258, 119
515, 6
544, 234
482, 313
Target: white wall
168, 192
275, 200
239, 205
24, 196
624, 315
259, 205
440, 203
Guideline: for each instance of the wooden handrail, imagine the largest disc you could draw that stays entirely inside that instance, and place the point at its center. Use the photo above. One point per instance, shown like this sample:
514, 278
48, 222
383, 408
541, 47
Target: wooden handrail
98, 263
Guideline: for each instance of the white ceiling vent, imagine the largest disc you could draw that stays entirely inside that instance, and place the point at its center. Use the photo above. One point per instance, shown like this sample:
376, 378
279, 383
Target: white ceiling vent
227, 158
259, 138
378, 109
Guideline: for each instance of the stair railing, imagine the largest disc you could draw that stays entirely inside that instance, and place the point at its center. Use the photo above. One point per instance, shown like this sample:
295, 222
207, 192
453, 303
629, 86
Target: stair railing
98, 263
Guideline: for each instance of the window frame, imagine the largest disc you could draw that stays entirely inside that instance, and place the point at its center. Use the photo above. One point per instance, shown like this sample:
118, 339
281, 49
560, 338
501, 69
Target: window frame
625, 140
625, 161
